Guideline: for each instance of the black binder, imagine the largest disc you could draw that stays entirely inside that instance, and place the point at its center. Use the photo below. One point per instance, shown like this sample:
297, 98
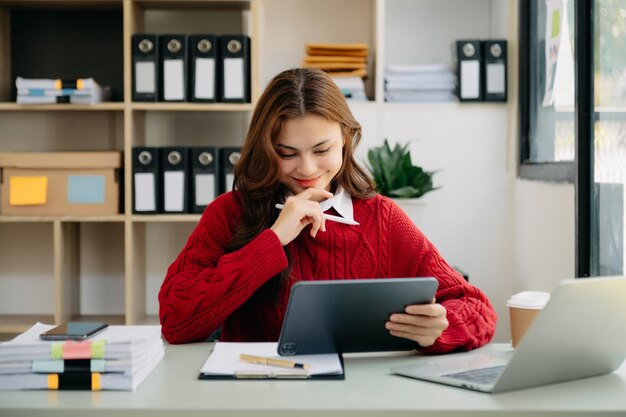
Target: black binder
228, 158
175, 168
145, 67
235, 68
203, 68
204, 183
469, 57
146, 180
494, 70
173, 81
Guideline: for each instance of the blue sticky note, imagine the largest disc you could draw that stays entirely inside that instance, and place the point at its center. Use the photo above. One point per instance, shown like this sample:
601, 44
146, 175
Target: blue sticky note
85, 189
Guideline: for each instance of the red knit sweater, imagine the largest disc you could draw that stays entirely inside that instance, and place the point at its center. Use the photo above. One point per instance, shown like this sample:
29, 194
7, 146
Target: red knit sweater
205, 288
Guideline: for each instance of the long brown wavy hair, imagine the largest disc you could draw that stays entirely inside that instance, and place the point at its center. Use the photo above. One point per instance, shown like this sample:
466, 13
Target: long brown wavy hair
292, 93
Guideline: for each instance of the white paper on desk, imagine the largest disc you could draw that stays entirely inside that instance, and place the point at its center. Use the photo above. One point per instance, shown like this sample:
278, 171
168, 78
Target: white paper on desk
224, 360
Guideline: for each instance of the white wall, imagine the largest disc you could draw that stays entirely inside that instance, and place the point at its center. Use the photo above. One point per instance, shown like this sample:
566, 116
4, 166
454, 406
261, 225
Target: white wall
544, 235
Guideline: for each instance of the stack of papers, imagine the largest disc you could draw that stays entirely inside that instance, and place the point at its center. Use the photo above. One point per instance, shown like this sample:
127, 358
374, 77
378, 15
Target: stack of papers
225, 363
419, 83
118, 358
47, 91
346, 63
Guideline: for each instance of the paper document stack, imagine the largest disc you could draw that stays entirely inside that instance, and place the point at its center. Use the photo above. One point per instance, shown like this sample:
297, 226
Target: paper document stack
419, 83
118, 358
47, 91
346, 63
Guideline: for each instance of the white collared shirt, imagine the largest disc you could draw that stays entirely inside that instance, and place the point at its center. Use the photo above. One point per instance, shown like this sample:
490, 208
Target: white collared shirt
341, 201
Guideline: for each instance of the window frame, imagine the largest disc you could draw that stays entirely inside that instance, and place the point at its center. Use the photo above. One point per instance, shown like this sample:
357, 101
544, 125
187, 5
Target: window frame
579, 172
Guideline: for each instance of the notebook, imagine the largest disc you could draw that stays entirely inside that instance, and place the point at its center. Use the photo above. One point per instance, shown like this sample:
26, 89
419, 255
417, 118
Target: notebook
580, 333
225, 363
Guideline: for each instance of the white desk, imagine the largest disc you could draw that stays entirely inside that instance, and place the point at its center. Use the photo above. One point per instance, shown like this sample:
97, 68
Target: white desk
368, 390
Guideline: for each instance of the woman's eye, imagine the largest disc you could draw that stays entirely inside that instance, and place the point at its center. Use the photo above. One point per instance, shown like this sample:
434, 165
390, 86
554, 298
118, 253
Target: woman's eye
322, 151
286, 155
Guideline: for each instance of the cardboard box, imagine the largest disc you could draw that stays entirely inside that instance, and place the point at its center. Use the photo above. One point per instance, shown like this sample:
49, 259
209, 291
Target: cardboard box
60, 183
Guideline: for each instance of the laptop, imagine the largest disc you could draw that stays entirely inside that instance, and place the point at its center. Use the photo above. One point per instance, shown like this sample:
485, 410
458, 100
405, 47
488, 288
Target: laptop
581, 332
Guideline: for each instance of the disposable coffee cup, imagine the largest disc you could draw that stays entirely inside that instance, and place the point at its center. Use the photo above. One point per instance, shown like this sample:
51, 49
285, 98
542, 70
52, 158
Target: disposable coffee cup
524, 307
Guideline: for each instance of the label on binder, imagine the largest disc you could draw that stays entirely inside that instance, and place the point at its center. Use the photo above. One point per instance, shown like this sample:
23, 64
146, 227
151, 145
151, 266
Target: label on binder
233, 78
145, 77
470, 74
205, 78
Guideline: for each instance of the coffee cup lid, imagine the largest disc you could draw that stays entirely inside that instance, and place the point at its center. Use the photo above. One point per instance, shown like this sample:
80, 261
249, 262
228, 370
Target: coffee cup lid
529, 299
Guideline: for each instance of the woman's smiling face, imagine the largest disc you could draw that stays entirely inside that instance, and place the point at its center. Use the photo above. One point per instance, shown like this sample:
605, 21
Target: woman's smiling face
310, 151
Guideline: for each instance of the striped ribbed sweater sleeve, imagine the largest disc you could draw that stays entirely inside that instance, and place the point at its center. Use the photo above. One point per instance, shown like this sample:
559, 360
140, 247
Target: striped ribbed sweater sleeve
470, 315
203, 286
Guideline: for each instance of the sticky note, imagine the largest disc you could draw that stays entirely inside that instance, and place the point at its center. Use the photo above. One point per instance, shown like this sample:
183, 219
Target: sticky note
28, 191
85, 189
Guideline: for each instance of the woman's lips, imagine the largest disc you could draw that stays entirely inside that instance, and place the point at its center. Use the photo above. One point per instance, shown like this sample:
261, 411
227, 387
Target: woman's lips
307, 183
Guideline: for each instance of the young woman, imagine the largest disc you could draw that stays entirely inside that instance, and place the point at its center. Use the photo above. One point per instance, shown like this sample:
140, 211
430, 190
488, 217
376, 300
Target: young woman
237, 268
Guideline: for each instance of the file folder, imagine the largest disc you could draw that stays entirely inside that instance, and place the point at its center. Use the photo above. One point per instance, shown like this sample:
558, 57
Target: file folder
173, 52
469, 57
228, 158
495, 70
174, 164
145, 67
203, 68
235, 68
204, 180
146, 180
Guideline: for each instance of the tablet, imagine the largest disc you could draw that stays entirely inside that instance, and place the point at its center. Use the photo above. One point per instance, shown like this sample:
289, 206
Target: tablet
343, 316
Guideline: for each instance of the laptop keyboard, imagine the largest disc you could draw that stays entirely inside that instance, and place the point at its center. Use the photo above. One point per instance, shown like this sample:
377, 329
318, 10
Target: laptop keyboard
480, 376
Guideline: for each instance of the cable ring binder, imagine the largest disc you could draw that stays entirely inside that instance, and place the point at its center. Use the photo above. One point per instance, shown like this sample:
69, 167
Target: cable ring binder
469, 50
144, 157
233, 158
234, 46
496, 50
146, 45
205, 158
174, 45
174, 157
204, 45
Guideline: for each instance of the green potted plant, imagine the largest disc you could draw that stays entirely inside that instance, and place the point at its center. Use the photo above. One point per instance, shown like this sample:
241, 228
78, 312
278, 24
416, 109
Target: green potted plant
395, 175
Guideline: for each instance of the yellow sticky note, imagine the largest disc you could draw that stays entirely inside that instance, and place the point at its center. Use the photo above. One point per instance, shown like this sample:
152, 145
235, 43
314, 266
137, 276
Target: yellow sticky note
28, 191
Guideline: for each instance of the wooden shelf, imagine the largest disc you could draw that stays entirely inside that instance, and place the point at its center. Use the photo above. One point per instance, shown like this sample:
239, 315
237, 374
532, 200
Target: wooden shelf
235, 107
194, 4
72, 219
6, 106
165, 218
14, 323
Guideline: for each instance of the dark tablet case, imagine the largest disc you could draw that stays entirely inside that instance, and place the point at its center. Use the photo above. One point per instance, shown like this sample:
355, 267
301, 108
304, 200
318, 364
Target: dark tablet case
349, 315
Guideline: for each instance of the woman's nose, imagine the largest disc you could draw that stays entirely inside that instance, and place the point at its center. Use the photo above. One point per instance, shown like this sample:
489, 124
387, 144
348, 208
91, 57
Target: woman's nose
307, 166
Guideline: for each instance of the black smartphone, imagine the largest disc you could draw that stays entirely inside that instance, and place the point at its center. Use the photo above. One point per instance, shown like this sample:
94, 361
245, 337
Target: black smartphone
73, 331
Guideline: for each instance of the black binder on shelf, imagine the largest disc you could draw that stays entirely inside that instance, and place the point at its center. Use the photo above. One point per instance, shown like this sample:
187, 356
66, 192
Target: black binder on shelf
494, 70
145, 67
146, 180
469, 57
203, 68
204, 183
228, 158
235, 68
174, 169
173, 81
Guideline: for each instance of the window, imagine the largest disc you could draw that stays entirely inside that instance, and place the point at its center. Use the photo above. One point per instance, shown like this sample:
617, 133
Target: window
573, 117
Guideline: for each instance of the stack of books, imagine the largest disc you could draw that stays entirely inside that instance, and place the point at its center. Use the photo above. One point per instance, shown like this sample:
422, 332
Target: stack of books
118, 358
419, 83
346, 63
47, 91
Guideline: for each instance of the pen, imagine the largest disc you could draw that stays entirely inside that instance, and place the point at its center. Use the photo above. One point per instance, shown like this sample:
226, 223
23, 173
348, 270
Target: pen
272, 361
329, 217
